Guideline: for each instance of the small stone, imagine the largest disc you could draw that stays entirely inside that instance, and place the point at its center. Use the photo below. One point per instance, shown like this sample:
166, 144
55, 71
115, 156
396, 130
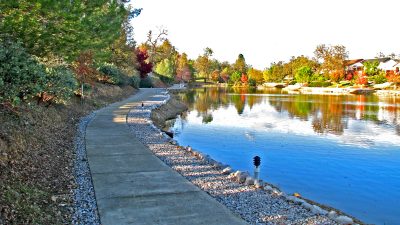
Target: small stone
227, 170
344, 220
307, 205
249, 181
268, 188
332, 214
318, 210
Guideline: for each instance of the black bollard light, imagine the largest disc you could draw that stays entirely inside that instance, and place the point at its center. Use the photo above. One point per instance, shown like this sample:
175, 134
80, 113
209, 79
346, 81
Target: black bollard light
257, 163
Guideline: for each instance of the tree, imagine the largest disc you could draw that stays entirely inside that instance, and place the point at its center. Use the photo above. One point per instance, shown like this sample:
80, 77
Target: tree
153, 40
256, 75
225, 74
84, 70
275, 73
240, 64
333, 60
65, 28
144, 66
296, 63
244, 79
183, 71
165, 51
235, 77
202, 66
184, 74
395, 78
371, 67
165, 68
208, 52
304, 74
215, 76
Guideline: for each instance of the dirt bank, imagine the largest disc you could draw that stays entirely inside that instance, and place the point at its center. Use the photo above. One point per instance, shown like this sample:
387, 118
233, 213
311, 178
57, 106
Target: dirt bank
36, 157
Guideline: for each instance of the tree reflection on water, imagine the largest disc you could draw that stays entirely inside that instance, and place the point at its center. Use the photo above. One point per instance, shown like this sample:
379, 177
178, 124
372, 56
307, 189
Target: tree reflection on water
327, 113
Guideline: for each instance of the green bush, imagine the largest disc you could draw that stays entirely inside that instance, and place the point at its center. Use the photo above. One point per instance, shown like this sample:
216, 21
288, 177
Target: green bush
135, 81
146, 82
113, 75
60, 84
21, 76
304, 74
380, 78
319, 84
252, 82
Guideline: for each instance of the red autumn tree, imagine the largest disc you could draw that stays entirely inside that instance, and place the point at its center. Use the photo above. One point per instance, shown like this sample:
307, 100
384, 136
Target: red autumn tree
393, 77
361, 79
144, 66
244, 78
84, 69
184, 74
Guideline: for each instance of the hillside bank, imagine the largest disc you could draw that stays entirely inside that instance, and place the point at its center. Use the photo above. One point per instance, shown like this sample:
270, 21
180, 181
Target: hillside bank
36, 157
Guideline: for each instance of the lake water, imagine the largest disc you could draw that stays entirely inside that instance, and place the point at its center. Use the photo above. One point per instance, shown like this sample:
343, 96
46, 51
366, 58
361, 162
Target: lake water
341, 151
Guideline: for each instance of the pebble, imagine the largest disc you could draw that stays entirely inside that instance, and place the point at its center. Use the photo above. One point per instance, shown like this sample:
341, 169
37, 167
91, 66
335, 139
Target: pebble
255, 205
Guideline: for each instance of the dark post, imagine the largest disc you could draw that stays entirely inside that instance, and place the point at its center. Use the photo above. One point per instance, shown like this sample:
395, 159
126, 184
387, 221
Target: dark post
257, 163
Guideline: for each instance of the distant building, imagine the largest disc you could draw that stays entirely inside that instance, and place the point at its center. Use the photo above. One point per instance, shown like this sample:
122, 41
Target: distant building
356, 66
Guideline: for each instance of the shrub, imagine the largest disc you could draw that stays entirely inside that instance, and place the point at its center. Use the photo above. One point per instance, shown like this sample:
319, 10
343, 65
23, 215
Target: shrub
134, 81
21, 76
319, 84
113, 75
146, 82
252, 82
379, 78
361, 79
59, 86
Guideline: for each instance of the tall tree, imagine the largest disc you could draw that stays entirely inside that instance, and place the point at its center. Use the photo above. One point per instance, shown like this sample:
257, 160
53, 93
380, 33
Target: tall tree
144, 66
183, 72
275, 73
333, 60
240, 64
256, 75
65, 28
153, 40
208, 52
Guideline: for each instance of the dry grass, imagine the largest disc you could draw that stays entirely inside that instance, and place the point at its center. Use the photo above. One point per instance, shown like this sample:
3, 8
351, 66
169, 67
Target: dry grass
36, 158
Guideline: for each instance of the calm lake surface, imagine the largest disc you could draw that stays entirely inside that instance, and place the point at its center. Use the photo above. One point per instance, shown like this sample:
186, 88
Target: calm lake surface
342, 151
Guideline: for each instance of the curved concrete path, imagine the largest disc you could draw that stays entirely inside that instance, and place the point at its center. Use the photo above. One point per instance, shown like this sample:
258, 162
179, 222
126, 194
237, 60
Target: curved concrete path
132, 186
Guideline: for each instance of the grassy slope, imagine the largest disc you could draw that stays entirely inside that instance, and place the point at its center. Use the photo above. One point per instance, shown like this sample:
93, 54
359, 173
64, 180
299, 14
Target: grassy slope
36, 158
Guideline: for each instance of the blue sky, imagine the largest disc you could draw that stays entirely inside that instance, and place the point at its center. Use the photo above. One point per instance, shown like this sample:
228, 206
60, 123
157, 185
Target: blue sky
267, 31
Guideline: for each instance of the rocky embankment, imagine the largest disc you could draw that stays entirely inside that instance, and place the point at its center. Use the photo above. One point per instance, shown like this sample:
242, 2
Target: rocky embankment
167, 111
256, 202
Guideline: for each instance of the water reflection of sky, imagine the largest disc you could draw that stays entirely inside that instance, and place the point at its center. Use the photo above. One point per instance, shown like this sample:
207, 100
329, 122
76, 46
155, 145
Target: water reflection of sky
264, 117
342, 151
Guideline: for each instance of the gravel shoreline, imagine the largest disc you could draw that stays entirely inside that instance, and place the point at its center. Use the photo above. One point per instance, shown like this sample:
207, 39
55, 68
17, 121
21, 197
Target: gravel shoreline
85, 205
256, 203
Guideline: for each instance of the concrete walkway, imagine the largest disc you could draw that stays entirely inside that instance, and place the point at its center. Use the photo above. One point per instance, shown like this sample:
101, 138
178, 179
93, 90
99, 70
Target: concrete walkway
132, 186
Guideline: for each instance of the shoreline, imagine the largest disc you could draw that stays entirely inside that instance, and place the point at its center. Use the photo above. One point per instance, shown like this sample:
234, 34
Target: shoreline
235, 189
320, 90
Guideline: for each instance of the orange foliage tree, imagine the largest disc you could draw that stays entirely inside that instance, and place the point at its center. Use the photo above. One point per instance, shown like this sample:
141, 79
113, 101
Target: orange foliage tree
84, 69
244, 78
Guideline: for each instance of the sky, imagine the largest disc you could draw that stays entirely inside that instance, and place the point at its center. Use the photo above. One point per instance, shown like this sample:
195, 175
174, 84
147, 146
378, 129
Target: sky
267, 31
